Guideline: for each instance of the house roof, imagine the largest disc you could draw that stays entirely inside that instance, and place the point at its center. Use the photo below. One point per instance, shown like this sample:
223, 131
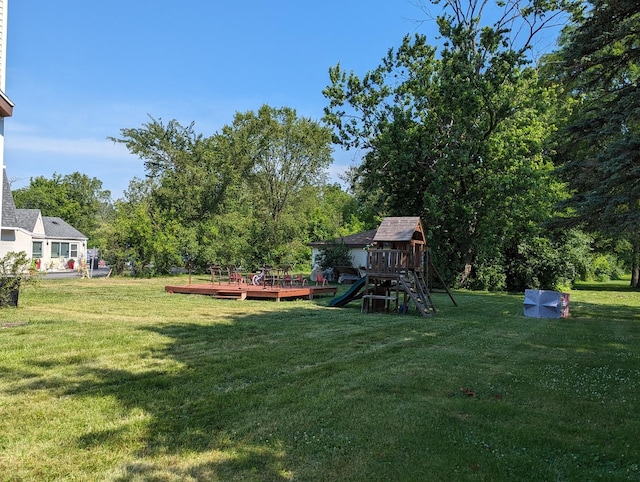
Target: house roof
26, 218
54, 227
57, 228
404, 228
6, 106
8, 205
358, 240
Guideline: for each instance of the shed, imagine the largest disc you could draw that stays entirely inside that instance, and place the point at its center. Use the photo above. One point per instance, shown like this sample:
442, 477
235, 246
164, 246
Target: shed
357, 244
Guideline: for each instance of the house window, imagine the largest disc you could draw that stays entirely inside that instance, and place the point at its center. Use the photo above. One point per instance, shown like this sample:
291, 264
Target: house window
63, 250
36, 249
60, 250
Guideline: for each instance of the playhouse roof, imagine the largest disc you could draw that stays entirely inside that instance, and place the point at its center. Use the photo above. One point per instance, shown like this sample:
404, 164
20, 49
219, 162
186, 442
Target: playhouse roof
403, 228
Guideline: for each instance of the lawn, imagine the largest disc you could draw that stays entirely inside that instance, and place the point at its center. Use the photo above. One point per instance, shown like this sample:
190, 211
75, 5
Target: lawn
114, 379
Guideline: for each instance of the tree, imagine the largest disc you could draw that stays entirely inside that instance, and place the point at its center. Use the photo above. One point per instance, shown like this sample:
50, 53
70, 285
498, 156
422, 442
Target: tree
192, 173
130, 232
189, 177
456, 135
76, 198
599, 150
286, 153
231, 198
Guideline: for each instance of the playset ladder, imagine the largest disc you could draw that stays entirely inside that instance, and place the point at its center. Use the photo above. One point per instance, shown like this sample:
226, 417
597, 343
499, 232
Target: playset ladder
418, 293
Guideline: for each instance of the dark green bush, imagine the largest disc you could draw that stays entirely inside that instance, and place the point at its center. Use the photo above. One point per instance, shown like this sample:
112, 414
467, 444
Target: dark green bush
335, 254
14, 274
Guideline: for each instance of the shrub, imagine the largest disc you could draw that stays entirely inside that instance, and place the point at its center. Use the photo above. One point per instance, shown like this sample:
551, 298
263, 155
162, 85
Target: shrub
14, 275
538, 264
489, 278
335, 254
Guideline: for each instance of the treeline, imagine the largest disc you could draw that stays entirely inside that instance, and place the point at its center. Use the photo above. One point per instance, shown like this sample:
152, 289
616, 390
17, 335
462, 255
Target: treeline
508, 161
524, 172
254, 193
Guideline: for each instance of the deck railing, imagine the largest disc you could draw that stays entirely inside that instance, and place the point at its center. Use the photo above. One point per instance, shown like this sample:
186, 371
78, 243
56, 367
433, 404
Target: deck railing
391, 262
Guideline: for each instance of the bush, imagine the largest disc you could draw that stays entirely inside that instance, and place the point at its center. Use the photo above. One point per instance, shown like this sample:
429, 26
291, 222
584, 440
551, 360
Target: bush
577, 250
489, 278
14, 275
606, 267
538, 264
335, 254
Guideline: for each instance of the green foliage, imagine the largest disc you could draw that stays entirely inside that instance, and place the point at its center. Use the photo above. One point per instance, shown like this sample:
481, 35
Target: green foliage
538, 263
334, 254
14, 275
490, 276
578, 252
76, 198
555, 261
606, 267
599, 63
250, 194
287, 154
132, 235
191, 173
459, 138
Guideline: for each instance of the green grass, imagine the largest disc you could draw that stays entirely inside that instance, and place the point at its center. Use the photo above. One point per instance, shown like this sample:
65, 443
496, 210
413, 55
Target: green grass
114, 379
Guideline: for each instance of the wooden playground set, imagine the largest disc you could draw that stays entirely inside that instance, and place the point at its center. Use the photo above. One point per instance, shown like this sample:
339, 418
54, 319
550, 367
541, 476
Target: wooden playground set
399, 274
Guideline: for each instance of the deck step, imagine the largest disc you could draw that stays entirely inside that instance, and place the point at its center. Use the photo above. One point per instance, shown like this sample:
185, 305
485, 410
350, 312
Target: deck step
230, 295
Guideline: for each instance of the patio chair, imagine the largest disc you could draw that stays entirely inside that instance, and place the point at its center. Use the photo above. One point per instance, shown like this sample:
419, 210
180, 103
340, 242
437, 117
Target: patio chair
235, 276
216, 272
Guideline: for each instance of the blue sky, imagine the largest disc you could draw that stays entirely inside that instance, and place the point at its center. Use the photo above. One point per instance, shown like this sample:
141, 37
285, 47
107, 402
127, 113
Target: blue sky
78, 71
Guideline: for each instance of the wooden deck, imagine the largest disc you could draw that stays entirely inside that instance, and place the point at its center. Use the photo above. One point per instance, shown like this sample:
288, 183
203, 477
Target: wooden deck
243, 291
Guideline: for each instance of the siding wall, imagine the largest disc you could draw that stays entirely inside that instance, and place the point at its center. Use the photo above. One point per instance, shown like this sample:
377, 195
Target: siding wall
3, 63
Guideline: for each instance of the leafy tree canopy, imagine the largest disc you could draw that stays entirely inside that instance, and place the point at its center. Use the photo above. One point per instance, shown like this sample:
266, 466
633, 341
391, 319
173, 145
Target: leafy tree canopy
237, 197
599, 150
76, 198
456, 134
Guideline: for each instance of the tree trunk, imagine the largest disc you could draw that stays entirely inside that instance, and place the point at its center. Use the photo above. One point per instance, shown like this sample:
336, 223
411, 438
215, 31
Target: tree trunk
465, 276
635, 264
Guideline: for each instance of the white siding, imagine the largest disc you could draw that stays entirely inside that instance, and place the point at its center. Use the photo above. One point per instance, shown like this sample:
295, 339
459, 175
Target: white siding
38, 229
3, 63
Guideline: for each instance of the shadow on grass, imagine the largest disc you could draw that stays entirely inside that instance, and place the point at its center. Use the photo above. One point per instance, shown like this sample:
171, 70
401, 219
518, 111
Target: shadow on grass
581, 310
219, 388
613, 286
309, 393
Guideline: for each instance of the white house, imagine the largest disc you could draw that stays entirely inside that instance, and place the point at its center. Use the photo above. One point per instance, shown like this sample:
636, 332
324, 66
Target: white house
6, 106
50, 242
357, 244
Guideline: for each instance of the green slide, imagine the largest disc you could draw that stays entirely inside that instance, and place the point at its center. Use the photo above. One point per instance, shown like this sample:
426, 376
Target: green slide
350, 295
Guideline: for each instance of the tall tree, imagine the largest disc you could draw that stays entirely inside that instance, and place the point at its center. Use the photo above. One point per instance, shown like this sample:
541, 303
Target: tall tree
286, 153
192, 173
600, 149
189, 177
76, 198
230, 198
456, 135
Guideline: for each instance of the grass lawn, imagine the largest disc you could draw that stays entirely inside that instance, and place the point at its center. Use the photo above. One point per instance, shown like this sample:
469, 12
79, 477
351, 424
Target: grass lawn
114, 379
